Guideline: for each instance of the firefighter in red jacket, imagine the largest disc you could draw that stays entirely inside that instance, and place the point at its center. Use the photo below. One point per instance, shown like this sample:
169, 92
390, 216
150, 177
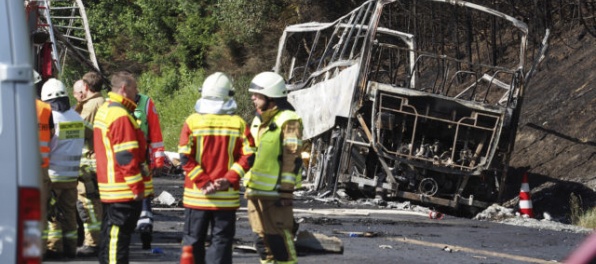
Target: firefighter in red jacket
215, 148
120, 150
148, 120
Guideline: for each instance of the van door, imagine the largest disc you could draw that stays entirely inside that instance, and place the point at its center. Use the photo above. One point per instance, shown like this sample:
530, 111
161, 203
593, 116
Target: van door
20, 234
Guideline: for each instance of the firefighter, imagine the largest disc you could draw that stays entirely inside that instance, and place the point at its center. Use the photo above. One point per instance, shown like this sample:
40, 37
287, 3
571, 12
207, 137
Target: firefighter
120, 149
87, 92
148, 120
215, 148
46, 129
276, 171
66, 147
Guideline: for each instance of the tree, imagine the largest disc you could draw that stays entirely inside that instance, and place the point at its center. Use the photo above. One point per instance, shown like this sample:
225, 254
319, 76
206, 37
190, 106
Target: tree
152, 35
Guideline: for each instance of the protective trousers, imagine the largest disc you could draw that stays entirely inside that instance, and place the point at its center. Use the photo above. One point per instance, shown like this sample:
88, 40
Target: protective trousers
273, 224
46, 185
119, 222
145, 224
223, 229
62, 229
89, 205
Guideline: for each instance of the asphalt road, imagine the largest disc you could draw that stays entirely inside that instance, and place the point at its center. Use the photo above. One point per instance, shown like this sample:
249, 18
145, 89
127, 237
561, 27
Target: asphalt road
397, 237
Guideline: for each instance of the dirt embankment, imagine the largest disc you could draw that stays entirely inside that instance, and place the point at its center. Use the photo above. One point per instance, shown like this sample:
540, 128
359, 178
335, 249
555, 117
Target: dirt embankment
556, 140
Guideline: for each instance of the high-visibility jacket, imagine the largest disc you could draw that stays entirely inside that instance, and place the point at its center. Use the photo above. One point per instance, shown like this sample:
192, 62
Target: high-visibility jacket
276, 170
148, 120
66, 146
214, 146
44, 113
119, 151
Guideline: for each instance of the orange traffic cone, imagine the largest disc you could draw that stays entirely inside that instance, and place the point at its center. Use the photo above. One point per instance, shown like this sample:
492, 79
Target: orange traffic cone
187, 257
525, 201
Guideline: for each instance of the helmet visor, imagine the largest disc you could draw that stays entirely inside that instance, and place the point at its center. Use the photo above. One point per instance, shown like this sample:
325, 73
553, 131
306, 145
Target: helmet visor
255, 88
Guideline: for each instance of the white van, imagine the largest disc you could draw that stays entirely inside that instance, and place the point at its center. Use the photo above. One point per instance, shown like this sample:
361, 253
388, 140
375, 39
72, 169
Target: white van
20, 226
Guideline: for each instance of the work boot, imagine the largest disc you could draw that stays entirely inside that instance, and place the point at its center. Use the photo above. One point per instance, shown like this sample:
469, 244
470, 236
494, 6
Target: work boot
146, 238
53, 255
145, 228
70, 251
86, 251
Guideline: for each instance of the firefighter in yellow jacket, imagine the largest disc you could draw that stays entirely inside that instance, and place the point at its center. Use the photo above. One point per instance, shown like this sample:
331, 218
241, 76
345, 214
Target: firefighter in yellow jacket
214, 148
120, 150
276, 171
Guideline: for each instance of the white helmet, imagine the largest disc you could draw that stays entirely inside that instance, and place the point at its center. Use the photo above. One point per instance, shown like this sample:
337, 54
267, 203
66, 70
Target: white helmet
269, 84
53, 88
217, 85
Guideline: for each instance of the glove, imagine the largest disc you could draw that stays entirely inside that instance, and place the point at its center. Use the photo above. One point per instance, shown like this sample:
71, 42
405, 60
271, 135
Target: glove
145, 172
222, 184
139, 197
209, 188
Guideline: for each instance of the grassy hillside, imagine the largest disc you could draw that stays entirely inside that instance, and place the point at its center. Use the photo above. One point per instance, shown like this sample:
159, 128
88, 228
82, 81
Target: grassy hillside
174, 107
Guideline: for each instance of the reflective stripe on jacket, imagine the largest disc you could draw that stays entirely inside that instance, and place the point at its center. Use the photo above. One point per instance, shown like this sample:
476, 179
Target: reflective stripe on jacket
271, 170
120, 149
212, 147
66, 146
44, 110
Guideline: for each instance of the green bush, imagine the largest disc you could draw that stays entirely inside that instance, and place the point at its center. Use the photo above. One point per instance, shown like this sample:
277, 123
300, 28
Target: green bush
245, 107
588, 219
175, 94
580, 216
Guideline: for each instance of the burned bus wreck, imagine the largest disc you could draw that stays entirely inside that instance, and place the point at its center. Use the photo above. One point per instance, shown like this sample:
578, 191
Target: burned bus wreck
415, 100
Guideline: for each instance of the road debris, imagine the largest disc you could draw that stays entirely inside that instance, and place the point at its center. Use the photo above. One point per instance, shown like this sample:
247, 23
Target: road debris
435, 215
172, 167
500, 214
356, 234
333, 212
165, 198
315, 242
245, 248
495, 212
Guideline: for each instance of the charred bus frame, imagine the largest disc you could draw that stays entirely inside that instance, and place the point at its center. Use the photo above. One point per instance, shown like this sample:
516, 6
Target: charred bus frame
409, 99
